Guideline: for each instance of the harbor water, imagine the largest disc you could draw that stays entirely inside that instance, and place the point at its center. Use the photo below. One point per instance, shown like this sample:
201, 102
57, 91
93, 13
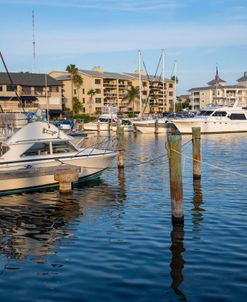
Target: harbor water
111, 239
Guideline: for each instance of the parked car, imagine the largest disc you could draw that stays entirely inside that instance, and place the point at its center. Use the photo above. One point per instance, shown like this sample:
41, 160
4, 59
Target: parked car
64, 124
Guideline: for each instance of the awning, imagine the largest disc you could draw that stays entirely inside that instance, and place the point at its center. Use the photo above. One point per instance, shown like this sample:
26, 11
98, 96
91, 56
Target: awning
22, 98
55, 111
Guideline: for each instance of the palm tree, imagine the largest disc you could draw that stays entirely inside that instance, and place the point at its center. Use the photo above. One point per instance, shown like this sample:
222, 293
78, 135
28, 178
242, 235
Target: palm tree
91, 93
132, 95
76, 79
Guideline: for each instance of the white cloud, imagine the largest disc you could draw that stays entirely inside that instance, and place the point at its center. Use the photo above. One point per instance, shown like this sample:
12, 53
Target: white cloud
123, 39
126, 5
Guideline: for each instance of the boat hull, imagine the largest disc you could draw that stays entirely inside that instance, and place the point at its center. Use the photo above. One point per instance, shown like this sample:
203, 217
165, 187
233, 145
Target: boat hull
207, 127
150, 128
94, 126
91, 166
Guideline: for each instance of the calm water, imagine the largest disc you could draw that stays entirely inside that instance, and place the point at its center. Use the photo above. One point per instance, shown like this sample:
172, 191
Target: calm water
112, 239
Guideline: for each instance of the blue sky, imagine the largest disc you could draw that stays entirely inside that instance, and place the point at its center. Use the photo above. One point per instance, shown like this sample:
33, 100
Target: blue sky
198, 34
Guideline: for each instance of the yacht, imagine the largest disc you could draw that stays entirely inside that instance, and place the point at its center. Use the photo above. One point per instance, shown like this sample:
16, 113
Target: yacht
223, 117
40, 144
105, 120
148, 125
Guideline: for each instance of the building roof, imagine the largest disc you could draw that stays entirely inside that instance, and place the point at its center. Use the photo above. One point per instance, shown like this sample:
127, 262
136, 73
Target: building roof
215, 82
63, 77
244, 78
28, 79
105, 75
148, 77
221, 87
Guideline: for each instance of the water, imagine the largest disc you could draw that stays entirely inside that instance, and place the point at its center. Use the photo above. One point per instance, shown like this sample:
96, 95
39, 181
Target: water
112, 239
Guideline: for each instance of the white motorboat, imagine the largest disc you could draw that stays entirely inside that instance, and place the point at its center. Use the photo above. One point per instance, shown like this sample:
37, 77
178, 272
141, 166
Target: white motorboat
125, 123
148, 125
224, 117
105, 120
40, 144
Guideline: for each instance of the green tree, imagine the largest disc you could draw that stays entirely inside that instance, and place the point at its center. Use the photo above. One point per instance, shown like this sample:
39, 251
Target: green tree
91, 93
76, 105
173, 79
132, 95
76, 79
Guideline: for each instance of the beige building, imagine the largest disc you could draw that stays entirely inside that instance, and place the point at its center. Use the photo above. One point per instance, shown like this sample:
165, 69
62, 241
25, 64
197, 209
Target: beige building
33, 91
218, 90
111, 89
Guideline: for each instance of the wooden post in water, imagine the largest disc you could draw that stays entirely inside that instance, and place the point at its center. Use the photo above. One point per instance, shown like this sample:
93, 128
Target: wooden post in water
121, 148
156, 127
98, 127
176, 184
134, 129
196, 142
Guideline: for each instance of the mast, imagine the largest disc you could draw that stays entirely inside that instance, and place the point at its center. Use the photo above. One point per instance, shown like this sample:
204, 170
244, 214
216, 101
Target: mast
163, 77
140, 80
175, 85
34, 53
47, 101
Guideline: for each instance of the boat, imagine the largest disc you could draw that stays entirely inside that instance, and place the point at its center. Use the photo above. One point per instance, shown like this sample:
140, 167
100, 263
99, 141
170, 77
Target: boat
224, 116
148, 125
64, 124
105, 120
125, 123
40, 144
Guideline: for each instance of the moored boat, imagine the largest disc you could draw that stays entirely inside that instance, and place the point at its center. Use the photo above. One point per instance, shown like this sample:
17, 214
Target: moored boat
40, 144
221, 118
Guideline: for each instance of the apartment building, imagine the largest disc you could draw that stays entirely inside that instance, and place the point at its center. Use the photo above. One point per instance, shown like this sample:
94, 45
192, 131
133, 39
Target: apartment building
111, 89
217, 90
30, 91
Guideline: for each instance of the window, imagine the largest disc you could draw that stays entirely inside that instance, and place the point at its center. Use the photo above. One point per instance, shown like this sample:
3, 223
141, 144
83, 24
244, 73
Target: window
83, 100
98, 91
38, 149
205, 113
83, 90
144, 84
1, 88
237, 116
219, 113
98, 100
62, 147
170, 93
74, 91
11, 87
170, 85
97, 81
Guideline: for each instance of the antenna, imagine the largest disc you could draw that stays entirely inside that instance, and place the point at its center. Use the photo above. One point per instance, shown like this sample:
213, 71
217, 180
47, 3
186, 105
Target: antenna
34, 54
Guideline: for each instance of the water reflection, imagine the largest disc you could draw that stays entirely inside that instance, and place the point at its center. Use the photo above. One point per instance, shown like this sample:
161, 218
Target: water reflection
35, 224
177, 261
197, 211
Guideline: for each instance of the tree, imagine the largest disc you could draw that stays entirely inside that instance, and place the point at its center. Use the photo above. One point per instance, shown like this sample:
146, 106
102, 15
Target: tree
91, 93
132, 95
76, 105
76, 79
173, 79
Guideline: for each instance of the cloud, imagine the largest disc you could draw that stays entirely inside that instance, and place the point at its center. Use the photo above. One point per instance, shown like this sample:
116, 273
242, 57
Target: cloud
68, 42
126, 5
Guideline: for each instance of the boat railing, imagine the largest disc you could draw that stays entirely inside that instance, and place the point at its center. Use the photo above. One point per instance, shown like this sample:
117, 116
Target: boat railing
228, 101
106, 143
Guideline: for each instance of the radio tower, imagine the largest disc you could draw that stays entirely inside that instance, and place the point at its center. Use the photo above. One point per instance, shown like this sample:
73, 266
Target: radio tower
34, 55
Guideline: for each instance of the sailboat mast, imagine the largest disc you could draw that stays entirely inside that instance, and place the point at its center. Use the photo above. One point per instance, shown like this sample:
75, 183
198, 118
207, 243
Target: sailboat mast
34, 52
163, 78
140, 80
175, 86
47, 102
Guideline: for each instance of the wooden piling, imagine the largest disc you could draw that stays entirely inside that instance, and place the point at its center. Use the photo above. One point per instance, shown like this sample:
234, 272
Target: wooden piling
98, 127
176, 185
196, 143
121, 148
134, 129
156, 127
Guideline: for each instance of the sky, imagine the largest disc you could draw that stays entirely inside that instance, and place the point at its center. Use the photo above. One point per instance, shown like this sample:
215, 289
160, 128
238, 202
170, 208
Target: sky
199, 35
